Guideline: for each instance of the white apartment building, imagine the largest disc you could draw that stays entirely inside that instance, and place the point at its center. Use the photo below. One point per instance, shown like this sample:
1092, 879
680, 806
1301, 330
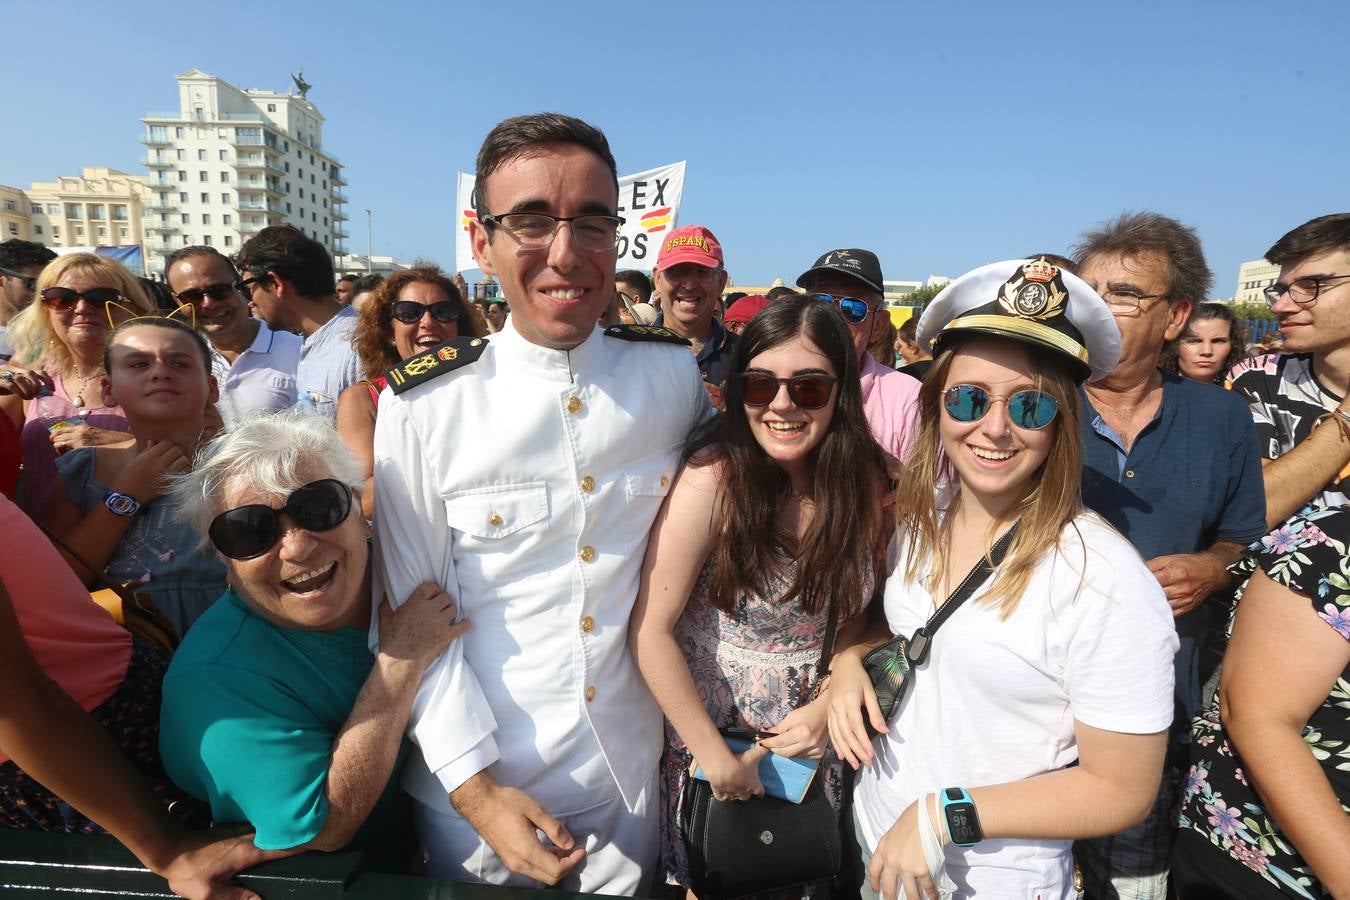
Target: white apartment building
1253, 278
230, 162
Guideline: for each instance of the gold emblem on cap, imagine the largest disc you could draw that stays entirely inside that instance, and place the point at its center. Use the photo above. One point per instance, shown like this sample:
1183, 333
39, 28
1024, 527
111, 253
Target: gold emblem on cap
1035, 291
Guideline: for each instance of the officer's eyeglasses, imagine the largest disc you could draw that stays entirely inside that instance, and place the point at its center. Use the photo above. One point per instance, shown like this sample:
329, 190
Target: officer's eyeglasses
535, 231
1302, 291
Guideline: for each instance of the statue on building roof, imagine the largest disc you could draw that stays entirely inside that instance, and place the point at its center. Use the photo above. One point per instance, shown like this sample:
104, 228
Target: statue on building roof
301, 84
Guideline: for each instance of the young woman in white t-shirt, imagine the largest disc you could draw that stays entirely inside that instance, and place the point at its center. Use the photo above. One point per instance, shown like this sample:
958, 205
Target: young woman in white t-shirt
1063, 655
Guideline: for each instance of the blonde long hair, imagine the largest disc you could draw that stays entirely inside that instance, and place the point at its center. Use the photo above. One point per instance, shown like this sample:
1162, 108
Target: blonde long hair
31, 332
1052, 501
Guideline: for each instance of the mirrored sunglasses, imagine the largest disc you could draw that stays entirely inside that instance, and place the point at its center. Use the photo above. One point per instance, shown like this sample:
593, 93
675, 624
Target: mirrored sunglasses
855, 311
806, 391
1026, 409
410, 312
248, 531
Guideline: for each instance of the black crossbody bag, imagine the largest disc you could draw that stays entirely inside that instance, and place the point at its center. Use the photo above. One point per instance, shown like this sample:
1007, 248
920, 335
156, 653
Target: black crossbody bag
739, 847
890, 666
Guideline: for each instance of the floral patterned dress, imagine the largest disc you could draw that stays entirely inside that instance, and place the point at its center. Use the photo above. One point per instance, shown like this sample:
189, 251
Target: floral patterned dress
1308, 554
751, 669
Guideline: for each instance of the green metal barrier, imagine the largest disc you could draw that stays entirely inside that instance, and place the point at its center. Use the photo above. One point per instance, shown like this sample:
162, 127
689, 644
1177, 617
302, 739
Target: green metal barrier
35, 864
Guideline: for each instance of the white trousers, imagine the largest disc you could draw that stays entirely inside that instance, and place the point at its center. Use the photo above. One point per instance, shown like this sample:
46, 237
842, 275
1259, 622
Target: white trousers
621, 848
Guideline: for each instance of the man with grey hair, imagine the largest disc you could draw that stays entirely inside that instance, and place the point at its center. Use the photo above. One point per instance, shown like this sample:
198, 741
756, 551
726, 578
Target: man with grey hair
1173, 464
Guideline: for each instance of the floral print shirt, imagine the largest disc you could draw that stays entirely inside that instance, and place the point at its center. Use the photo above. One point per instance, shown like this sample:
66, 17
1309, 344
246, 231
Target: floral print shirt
1308, 555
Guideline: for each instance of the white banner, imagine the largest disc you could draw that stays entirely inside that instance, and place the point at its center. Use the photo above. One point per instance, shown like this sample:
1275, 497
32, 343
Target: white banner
649, 202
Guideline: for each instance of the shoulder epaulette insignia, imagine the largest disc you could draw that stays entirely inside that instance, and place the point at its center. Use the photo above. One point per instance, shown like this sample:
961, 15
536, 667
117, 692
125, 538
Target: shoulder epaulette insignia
646, 333
453, 354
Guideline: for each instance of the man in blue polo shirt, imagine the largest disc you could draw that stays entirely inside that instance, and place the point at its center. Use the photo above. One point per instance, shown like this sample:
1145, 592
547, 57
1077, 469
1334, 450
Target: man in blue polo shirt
1175, 466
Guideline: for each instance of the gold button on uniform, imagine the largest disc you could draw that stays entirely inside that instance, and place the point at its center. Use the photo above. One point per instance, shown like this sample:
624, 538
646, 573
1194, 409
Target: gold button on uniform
665, 482
587, 554
1129, 473
495, 520
587, 484
574, 404
587, 624
590, 693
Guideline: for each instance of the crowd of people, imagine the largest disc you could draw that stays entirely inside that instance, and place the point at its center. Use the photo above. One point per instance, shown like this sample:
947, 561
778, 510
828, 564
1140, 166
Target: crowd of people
484, 588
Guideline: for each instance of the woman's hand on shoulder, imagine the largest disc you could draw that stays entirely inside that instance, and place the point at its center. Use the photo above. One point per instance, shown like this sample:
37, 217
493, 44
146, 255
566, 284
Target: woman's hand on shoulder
804, 733
736, 777
848, 697
77, 436
420, 629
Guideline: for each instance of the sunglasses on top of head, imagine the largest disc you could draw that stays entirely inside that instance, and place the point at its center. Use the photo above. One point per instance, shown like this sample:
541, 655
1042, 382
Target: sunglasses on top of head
28, 281
806, 391
1026, 409
249, 531
410, 312
855, 311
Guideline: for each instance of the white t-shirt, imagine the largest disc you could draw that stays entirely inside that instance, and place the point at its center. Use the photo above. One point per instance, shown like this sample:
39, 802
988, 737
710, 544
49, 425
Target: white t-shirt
261, 379
996, 700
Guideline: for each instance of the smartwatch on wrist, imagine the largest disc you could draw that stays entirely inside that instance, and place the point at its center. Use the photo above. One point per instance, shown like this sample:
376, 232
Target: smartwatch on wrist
963, 822
120, 504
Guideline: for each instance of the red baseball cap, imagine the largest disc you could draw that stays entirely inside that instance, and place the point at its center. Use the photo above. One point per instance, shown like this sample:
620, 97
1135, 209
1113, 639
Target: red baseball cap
744, 309
690, 244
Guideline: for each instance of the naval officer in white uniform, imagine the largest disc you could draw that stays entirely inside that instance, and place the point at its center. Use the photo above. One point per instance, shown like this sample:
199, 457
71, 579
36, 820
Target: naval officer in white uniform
523, 474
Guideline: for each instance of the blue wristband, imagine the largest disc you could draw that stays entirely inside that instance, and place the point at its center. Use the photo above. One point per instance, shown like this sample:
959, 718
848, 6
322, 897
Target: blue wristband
963, 822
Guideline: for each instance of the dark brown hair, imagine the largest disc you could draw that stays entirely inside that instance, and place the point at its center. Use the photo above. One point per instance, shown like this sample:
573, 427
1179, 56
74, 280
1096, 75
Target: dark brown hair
1313, 238
1149, 234
1237, 338
837, 555
373, 336
522, 136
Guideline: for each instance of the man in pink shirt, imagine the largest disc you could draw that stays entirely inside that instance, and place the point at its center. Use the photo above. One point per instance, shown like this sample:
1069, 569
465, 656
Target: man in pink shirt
852, 280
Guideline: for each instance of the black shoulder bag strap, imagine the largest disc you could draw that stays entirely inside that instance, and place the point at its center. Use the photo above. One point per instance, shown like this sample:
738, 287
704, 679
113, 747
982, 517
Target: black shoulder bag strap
917, 650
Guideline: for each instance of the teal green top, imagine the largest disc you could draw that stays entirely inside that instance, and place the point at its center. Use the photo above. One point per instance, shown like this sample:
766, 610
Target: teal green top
250, 714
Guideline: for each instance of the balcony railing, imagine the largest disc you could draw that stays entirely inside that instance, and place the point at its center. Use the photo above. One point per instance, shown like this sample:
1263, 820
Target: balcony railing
161, 227
339, 197
335, 176
338, 214
153, 140
156, 162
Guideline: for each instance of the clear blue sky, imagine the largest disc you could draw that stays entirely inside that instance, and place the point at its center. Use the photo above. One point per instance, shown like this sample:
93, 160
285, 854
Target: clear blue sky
943, 135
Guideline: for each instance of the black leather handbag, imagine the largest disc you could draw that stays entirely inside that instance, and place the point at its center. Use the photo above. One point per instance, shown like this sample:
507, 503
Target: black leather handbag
740, 847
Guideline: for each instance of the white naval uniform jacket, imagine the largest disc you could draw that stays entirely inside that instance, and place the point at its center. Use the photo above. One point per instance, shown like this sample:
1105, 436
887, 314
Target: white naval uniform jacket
525, 483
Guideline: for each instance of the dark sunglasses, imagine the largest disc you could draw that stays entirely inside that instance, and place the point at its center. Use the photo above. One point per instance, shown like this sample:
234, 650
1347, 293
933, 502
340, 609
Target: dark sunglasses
1026, 409
807, 391
855, 311
249, 531
410, 312
245, 285
214, 291
65, 298
29, 281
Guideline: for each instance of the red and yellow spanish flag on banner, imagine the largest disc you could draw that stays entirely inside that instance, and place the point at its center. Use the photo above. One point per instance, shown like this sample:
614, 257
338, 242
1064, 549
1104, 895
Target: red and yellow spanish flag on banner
649, 202
656, 220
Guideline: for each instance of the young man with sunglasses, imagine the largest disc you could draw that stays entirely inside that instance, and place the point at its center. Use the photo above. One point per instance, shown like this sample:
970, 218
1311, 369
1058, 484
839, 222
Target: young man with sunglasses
851, 279
1173, 464
523, 473
288, 277
1300, 398
253, 365
21, 262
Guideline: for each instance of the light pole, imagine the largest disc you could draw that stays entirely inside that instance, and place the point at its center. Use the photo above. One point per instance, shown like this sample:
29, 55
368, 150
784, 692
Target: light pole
370, 245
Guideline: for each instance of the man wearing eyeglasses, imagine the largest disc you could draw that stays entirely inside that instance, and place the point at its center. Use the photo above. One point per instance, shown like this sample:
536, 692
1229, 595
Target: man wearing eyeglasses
21, 262
1173, 464
1300, 397
523, 474
690, 276
851, 279
253, 365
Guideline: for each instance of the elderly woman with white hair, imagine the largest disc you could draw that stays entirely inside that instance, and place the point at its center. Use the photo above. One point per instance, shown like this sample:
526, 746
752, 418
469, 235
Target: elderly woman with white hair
274, 711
